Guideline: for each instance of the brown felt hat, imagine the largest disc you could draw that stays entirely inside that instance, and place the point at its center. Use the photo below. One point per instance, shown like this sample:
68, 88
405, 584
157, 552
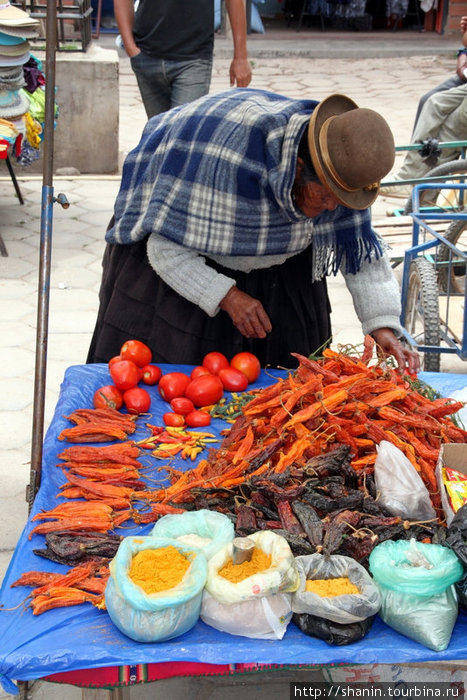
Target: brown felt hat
352, 149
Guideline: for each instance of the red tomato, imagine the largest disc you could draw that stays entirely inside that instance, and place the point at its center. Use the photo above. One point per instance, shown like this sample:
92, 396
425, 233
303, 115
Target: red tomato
124, 374
151, 374
197, 419
108, 397
113, 360
204, 390
214, 361
137, 400
173, 384
137, 352
199, 371
247, 363
182, 405
174, 420
232, 379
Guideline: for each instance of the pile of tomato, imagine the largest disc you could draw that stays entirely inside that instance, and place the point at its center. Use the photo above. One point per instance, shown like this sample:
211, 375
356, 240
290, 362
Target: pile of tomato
127, 370
205, 386
186, 394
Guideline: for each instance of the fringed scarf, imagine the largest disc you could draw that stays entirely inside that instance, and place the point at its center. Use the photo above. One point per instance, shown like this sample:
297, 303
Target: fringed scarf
216, 176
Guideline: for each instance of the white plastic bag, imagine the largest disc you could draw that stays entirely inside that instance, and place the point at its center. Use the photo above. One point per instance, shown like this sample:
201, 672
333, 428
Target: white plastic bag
281, 577
157, 616
401, 489
258, 606
262, 618
205, 529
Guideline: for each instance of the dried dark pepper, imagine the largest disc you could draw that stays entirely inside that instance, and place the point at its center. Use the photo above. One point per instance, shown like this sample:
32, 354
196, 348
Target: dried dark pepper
311, 523
246, 518
359, 548
323, 504
299, 545
288, 519
82, 545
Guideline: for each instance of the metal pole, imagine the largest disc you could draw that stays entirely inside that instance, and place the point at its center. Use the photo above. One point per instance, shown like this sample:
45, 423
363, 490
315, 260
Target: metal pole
44, 257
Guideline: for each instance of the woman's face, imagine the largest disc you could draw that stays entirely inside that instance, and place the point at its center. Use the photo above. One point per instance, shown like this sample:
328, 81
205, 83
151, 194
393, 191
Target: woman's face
312, 198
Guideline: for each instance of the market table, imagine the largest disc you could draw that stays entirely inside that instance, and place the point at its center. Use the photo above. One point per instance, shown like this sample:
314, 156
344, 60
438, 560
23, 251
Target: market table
82, 637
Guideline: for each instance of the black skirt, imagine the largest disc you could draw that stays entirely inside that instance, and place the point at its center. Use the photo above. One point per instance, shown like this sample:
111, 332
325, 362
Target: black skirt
135, 303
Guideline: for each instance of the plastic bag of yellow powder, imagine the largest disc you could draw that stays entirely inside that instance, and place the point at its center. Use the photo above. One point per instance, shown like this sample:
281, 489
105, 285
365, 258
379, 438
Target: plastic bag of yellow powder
351, 605
331, 587
336, 600
256, 605
155, 588
156, 570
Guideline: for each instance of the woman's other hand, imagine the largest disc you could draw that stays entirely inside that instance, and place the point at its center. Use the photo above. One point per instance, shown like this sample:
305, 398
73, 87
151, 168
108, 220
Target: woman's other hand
247, 314
387, 342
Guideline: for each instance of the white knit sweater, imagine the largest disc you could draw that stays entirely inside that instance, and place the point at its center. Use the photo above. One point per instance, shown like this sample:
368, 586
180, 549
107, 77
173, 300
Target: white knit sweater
374, 289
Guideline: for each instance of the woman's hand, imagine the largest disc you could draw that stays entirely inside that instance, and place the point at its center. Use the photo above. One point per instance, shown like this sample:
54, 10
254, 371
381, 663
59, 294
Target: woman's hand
407, 360
247, 314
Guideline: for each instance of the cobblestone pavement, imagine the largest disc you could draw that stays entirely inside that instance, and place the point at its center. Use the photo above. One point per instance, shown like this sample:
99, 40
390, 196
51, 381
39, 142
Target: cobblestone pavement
391, 85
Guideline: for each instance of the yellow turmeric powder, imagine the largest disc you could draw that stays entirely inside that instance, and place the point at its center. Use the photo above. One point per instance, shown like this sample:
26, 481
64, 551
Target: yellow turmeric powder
331, 587
260, 561
156, 570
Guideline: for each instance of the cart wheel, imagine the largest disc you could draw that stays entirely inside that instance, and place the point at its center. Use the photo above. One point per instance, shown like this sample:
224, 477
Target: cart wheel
447, 172
422, 310
451, 276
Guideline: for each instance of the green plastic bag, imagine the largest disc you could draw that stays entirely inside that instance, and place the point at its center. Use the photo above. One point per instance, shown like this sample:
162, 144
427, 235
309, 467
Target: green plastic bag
416, 581
154, 617
209, 531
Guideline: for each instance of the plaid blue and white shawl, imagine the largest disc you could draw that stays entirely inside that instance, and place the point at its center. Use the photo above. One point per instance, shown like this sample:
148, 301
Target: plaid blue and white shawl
216, 175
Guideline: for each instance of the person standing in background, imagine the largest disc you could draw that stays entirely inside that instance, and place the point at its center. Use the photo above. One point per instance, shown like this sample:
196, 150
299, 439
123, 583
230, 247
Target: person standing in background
171, 44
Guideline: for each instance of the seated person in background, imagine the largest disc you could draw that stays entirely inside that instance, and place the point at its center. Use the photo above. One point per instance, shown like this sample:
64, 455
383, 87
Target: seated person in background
441, 116
444, 118
232, 211
454, 80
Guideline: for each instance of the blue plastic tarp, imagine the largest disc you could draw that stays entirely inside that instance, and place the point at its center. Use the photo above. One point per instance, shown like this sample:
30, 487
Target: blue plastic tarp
83, 637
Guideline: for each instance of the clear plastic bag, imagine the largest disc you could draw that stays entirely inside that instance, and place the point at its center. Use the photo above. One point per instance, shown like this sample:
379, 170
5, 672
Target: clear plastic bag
216, 529
154, 617
417, 601
343, 609
401, 489
281, 577
266, 617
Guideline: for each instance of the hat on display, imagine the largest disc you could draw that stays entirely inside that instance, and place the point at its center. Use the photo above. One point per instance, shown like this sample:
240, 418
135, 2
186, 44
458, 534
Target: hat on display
13, 15
14, 50
351, 148
11, 72
14, 60
13, 103
22, 32
12, 77
10, 84
9, 40
17, 22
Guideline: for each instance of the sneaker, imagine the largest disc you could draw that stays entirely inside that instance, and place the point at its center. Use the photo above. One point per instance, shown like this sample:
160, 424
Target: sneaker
398, 191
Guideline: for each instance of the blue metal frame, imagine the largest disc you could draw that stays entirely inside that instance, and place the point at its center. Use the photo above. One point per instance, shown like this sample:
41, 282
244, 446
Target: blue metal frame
420, 223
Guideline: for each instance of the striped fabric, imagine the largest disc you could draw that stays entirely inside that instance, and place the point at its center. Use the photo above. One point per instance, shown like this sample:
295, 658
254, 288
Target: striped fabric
216, 176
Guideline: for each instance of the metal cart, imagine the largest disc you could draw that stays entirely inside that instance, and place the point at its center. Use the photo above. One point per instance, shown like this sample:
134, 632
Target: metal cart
434, 280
